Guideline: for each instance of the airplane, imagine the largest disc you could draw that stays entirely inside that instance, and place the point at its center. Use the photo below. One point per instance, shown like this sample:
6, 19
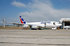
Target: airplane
39, 25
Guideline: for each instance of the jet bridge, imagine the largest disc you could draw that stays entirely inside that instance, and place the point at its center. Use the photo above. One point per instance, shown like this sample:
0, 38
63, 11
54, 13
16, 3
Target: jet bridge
65, 23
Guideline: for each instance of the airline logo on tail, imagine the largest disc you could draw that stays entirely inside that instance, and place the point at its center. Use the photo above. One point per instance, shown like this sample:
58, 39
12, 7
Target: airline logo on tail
22, 20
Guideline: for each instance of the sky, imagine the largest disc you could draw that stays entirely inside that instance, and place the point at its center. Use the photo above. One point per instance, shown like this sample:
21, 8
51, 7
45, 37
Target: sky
34, 10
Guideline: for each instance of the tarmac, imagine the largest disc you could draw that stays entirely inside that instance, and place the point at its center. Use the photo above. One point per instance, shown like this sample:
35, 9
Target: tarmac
34, 37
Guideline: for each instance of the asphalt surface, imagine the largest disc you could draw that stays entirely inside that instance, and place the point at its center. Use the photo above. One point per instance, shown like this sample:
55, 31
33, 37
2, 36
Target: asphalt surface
34, 37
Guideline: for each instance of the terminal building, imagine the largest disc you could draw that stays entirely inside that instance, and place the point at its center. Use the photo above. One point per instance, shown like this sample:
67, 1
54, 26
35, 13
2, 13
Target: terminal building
65, 23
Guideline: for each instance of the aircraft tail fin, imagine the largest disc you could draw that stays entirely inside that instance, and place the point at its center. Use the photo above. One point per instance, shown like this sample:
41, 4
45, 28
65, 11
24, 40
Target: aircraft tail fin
22, 20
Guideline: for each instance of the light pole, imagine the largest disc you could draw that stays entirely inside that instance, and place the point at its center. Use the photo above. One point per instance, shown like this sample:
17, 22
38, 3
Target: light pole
4, 22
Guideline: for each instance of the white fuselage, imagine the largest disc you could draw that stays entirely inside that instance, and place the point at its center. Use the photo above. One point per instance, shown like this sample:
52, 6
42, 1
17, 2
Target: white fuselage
51, 24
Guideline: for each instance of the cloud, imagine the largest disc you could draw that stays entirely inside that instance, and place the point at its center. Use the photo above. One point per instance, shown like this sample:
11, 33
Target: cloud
42, 10
18, 4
